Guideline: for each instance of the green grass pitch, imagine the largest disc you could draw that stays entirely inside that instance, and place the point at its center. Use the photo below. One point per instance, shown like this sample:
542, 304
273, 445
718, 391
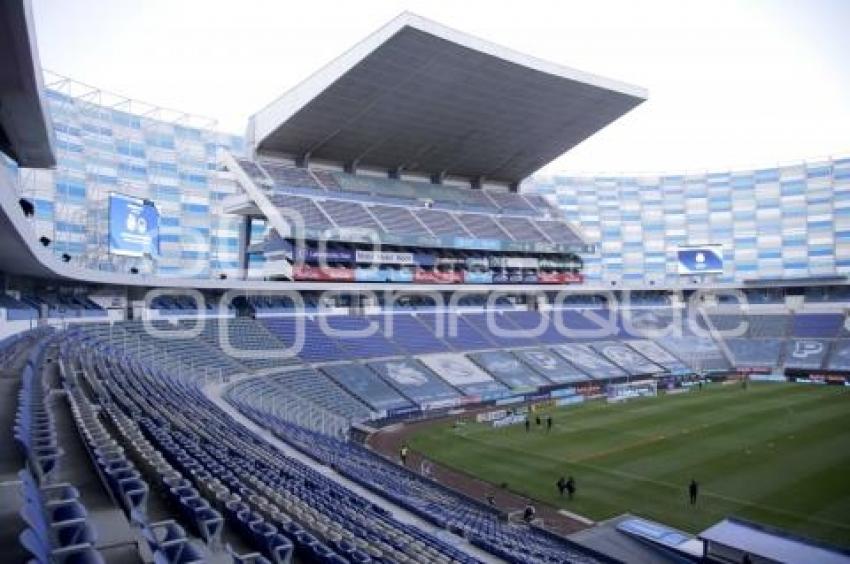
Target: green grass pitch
774, 453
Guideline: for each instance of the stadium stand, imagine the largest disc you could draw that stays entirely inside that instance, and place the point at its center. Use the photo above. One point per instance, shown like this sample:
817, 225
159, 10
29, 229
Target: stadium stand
481, 524
138, 434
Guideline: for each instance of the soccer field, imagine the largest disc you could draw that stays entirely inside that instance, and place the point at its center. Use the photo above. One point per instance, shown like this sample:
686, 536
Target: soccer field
774, 453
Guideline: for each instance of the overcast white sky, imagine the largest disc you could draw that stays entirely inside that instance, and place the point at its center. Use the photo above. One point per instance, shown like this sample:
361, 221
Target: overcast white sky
731, 84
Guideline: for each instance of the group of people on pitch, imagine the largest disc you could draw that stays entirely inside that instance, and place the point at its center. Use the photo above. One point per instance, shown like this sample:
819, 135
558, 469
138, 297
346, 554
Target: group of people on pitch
539, 422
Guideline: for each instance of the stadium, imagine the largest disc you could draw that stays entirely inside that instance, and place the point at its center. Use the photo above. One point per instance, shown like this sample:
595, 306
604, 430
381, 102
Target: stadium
370, 329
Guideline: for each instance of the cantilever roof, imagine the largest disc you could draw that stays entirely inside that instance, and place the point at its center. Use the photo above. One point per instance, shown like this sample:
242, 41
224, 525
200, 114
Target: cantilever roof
422, 97
25, 133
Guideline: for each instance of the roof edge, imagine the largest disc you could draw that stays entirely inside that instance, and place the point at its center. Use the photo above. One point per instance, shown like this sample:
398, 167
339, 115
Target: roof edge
265, 121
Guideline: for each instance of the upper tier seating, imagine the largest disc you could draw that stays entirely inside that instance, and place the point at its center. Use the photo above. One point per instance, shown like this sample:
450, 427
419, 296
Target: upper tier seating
349, 214
483, 226
399, 221
255, 172
441, 224
16, 310
310, 213
291, 176
347, 197
521, 229
510, 202
558, 231
59, 305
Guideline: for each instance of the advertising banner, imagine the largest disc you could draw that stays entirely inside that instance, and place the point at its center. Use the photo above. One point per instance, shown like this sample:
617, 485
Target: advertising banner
416, 382
507, 368
477, 262
551, 366
327, 255
478, 277
654, 352
368, 386
383, 257
437, 277
371, 275
133, 226
626, 358
805, 354
702, 259
588, 361
424, 259
460, 372
328, 274
500, 277
402, 275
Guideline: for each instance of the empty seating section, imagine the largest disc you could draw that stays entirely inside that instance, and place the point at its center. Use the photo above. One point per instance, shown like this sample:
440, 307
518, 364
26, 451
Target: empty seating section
58, 305
441, 224
348, 199
500, 330
375, 186
521, 229
325, 178
316, 388
481, 524
745, 353
172, 436
510, 202
362, 337
399, 221
316, 346
309, 212
767, 326
826, 325
168, 344
291, 176
541, 204
558, 231
457, 332
253, 170
482, 226
349, 214
57, 525
253, 345
16, 310
411, 335
540, 326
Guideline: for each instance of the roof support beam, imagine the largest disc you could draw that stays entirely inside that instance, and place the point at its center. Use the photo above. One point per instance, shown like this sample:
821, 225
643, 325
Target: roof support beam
303, 161
438, 177
351, 166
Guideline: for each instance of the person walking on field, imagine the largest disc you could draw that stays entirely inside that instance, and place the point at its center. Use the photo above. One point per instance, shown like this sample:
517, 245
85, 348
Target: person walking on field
548, 423
571, 487
403, 455
693, 491
562, 485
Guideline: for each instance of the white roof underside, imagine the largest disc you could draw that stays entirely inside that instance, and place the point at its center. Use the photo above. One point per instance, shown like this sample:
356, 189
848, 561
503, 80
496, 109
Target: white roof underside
422, 97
